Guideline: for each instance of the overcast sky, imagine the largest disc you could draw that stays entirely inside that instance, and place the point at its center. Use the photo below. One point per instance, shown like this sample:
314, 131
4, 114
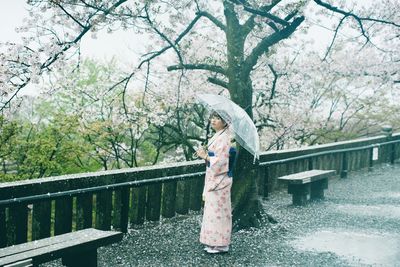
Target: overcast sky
12, 13
118, 44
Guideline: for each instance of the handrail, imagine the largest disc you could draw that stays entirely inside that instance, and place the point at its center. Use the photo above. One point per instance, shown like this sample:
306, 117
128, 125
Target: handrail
280, 161
34, 198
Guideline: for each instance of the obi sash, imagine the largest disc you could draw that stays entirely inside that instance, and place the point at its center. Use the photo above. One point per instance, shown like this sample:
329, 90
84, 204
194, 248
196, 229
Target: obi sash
232, 158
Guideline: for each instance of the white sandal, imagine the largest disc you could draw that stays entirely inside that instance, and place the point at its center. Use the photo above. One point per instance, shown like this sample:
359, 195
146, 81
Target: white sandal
215, 250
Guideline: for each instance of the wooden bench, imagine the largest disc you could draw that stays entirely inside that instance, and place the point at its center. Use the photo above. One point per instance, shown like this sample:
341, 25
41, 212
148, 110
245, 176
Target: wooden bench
309, 182
76, 249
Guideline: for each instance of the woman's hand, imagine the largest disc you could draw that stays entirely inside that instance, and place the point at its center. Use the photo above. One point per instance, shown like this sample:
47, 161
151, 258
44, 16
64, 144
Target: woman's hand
201, 153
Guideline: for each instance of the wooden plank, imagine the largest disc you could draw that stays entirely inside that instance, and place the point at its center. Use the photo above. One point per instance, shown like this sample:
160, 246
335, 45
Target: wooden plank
182, 197
41, 220
153, 203
307, 176
168, 200
63, 216
345, 165
272, 177
116, 209
3, 232
196, 192
84, 211
25, 247
125, 193
17, 224
24, 263
103, 210
56, 247
138, 206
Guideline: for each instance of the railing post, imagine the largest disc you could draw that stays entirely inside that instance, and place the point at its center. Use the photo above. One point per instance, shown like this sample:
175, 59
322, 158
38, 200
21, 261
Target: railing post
392, 153
387, 130
41, 219
169, 200
182, 199
84, 211
103, 210
196, 191
343, 173
17, 224
124, 209
138, 208
310, 164
63, 216
3, 233
153, 202
371, 159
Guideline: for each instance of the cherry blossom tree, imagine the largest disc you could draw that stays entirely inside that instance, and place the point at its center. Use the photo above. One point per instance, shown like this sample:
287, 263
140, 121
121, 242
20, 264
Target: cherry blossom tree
230, 43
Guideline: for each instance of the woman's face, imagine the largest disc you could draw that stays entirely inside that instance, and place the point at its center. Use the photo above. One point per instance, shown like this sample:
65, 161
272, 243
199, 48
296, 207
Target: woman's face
217, 123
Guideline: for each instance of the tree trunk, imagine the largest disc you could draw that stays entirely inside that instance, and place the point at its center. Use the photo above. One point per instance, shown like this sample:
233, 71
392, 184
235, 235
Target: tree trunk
247, 208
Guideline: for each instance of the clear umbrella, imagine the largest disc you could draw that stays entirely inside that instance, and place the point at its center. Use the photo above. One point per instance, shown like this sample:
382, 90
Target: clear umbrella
240, 123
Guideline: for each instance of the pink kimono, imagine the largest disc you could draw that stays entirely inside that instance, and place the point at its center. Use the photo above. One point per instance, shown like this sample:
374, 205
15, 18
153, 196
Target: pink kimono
216, 227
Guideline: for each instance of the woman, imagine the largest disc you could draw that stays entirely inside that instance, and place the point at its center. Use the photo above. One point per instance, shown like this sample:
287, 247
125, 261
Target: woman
216, 227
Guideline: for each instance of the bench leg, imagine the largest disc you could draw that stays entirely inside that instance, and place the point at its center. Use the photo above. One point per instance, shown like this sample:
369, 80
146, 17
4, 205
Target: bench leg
80, 259
299, 199
299, 193
317, 189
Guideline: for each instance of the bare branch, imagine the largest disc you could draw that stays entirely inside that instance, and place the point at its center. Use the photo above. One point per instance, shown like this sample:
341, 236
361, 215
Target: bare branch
213, 68
334, 38
266, 15
156, 54
163, 36
269, 41
273, 88
219, 82
213, 19
350, 14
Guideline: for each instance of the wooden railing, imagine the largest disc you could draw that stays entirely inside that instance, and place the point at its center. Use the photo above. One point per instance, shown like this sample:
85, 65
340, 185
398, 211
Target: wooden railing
39, 208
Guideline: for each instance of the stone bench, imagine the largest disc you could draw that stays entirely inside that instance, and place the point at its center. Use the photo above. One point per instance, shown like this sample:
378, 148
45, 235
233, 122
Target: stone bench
76, 249
309, 182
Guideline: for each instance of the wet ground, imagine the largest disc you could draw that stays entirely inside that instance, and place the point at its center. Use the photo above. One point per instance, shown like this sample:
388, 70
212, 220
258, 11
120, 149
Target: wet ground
358, 224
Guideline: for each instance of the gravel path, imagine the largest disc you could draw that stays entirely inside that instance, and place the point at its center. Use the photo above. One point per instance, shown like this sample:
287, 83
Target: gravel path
357, 225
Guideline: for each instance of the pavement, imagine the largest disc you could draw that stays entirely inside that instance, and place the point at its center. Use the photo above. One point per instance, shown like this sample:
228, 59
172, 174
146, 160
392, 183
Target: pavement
358, 224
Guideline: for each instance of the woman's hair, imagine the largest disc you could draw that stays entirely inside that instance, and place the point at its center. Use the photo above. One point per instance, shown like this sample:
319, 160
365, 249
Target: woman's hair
214, 114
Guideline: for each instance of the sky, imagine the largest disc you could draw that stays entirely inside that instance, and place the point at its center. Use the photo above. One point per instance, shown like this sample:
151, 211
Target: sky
106, 45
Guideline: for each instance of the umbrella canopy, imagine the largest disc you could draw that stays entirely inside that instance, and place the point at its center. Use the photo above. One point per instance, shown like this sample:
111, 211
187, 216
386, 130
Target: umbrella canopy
240, 123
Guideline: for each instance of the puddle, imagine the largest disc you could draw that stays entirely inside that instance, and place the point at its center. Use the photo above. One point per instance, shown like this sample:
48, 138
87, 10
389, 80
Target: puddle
385, 211
393, 195
355, 247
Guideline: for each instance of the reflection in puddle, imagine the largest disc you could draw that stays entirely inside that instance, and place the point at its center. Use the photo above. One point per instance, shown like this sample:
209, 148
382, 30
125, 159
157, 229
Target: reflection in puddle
355, 247
386, 211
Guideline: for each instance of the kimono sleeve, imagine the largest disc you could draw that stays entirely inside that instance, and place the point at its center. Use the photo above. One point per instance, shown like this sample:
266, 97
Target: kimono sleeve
219, 163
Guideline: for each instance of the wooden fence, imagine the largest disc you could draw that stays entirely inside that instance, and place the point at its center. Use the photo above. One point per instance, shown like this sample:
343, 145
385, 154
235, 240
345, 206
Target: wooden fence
40, 208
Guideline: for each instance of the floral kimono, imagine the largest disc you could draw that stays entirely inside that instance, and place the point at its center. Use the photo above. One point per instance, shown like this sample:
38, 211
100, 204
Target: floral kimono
216, 227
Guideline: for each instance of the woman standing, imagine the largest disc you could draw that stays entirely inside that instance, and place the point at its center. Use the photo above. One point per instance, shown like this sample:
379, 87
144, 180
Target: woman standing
216, 227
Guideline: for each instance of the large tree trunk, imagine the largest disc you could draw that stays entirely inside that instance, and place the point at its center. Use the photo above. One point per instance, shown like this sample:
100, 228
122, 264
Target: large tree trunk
247, 208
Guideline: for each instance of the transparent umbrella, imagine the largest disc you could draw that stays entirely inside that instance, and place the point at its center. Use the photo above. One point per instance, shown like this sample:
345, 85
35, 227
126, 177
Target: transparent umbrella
240, 123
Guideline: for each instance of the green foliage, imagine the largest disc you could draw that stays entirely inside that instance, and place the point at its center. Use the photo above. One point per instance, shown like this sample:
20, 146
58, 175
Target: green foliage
82, 128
